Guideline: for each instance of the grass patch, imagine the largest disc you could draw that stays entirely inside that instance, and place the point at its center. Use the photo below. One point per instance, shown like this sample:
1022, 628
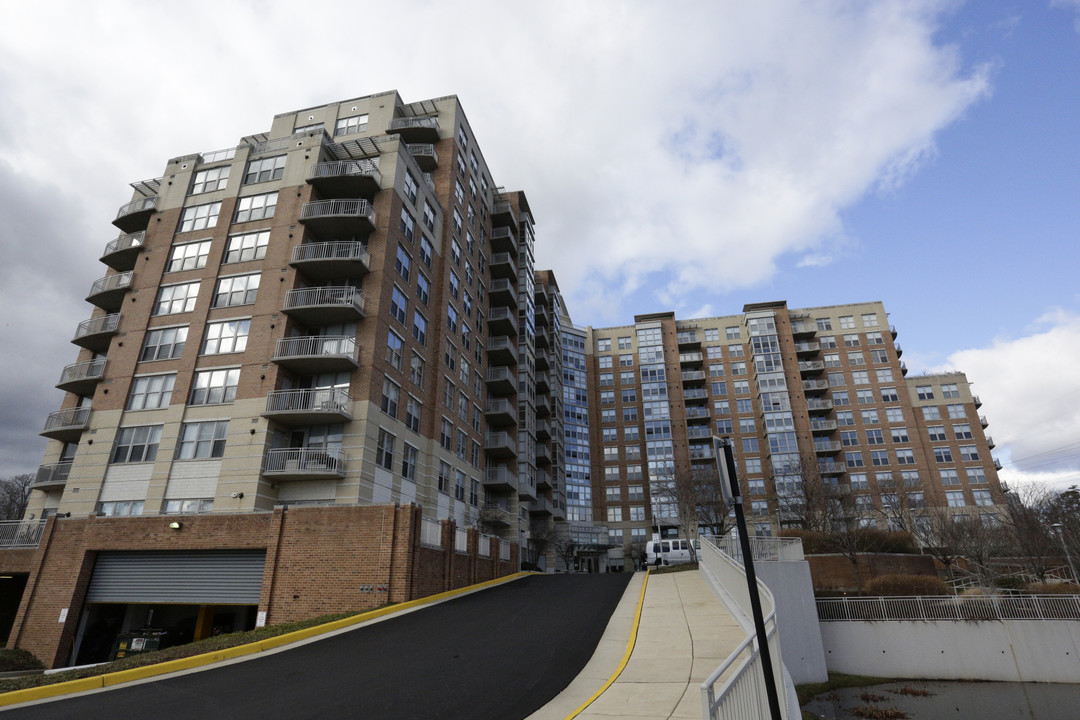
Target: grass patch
212, 644
912, 691
874, 712
665, 569
837, 681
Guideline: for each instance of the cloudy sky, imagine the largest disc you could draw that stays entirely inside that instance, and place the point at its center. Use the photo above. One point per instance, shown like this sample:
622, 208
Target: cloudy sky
686, 156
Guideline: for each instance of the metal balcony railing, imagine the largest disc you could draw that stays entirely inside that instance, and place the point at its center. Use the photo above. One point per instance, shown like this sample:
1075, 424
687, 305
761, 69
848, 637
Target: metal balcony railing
52, 475
73, 418
329, 400
431, 123
343, 250
140, 205
21, 533
345, 168
337, 296
316, 461
315, 345
119, 281
338, 208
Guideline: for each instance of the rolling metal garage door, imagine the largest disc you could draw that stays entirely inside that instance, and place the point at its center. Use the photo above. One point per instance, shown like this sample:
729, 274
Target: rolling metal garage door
189, 578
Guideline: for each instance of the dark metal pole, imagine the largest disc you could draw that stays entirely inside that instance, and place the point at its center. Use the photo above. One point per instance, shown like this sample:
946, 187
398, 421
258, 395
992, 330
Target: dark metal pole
735, 501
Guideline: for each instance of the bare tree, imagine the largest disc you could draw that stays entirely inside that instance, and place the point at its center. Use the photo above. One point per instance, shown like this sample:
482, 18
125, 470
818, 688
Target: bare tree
566, 546
1028, 516
981, 542
698, 501
14, 494
809, 500
940, 536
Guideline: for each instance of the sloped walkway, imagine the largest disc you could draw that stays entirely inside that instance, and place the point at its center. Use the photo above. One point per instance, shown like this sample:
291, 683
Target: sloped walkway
684, 634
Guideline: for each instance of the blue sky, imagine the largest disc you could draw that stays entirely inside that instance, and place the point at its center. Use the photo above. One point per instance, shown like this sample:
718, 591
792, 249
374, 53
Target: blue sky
692, 157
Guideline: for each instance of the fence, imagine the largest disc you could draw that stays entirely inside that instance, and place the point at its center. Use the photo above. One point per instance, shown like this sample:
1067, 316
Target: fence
430, 533
947, 607
21, 533
763, 548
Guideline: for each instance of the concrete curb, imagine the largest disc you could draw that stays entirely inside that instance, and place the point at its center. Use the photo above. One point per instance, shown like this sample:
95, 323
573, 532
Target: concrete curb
123, 676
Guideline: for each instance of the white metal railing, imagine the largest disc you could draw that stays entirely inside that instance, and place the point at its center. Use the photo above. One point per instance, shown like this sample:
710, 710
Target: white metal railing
336, 295
105, 323
83, 371
764, 548
414, 122
461, 540
430, 532
53, 474
289, 141
504, 550
335, 250
311, 460
312, 345
483, 545
338, 208
124, 242
70, 418
331, 400
742, 695
21, 533
950, 607
424, 149
146, 203
345, 168
111, 282
497, 439
217, 155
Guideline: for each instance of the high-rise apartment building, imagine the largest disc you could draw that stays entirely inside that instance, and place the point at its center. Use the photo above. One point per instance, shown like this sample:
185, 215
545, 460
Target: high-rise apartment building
816, 400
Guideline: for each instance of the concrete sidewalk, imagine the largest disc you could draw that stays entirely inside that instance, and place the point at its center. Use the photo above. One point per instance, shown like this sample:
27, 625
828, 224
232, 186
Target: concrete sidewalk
684, 634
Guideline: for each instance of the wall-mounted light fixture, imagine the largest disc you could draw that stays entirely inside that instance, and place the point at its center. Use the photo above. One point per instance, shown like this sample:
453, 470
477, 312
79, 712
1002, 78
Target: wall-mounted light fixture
176, 525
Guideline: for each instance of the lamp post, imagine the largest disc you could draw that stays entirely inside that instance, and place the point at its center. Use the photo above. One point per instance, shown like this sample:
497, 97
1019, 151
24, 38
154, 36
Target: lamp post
1065, 546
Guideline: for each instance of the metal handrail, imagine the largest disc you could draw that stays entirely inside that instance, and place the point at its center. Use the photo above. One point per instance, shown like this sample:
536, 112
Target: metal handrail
124, 242
315, 345
53, 474
104, 323
763, 548
112, 282
83, 371
422, 149
335, 295
21, 533
331, 400
950, 607
414, 122
338, 208
345, 168
72, 417
306, 459
334, 250
145, 203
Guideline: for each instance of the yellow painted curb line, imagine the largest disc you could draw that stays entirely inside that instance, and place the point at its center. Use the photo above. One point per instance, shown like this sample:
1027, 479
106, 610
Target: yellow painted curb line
626, 655
115, 678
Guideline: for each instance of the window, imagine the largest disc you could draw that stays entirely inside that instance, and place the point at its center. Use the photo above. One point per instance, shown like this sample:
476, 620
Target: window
629, 395
446, 435
626, 360
120, 508
931, 412
410, 192
236, 290
742, 387
864, 397
860, 377
606, 361
975, 474
824, 324
982, 497
457, 229
256, 207
451, 318
419, 328
407, 224
423, 289
189, 506
384, 450
637, 513
854, 459
444, 477
629, 414
626, 377
950, 391
851, 340
845, 417
874, 338
189, 256
391, 394
888, 394
625, 343
416, 370
840, 398
849, 438
164, 343
942, 454
351, 125
969, 453
408, 461
735, 350
607, 379
199, 217
611, 453
173, 299
202, 440
963, 432
869, 320
869, 417
936, 432
210, 387
603, 345
403, 263
228, 336
956, 498
150, 392
249, 246
732, 333
899, 435
394, 349
607, 416
879, 357
879, 457
271, 168
874, 437
397, 304
136, 444
828, 342
949, 476
750, 445
614, 514
859, 481
956, 411
211, 180
738, 368
847, 322
744, 406
925, 392
723, 427
429, 223
719, 388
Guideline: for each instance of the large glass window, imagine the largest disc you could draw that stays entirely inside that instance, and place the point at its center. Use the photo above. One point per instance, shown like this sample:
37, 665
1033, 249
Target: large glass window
271, 168
188, 256
228, 336
256, 207
136, 444
248, 246
236, 290
164, 343
202, 440
210, 180
150, 392
199, 217
174, 299
210, 387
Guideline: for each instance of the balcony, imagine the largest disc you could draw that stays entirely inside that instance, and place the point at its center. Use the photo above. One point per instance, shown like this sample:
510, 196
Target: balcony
543, 457
317, 306
82, 378
500, 444
691, 358
502, 321
425, 156
120, 254
317, 354
415, 129
541, 340
807, 348
688, 339
338, 218
502, 350
526, 490
345, 178
892, 331
543, 430
903, 368
50, 477
503, 265
801, 329
543, 480
502, 214
811, 367
542, 360
822, 427
815, 386
701, 452
899, 350
135, 216
304, 464
500, 478
94, 334
693, 376
827, 447
500, 381
108, 292
503, 292
500, 412
498, 514
984, 422
309, 407
695, 395
832, 467
543, 383
997, 464
540, 506
698, 432
975, 399
696, 413
990, 442
543, 406
503, 240
542, 317
331, 260
818, 404
67, 425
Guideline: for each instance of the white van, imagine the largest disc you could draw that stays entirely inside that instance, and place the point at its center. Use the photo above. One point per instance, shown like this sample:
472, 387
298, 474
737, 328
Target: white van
673, 551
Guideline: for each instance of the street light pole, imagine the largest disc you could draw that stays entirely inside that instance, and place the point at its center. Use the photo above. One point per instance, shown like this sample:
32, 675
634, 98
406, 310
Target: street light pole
1065, 546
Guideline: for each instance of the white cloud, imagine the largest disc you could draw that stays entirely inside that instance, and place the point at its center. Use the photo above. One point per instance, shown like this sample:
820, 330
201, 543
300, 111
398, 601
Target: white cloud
1075, 4
1031, 391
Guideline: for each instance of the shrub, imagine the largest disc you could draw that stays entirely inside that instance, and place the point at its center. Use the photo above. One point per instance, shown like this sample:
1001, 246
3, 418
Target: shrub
1061, 588
907, 585
1009, 582
11, 660
814, 543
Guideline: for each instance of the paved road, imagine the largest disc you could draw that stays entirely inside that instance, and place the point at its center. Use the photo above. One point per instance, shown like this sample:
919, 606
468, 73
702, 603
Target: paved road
499, 654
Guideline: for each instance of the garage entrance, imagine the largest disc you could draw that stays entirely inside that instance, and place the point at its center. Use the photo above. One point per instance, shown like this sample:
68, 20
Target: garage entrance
141, 601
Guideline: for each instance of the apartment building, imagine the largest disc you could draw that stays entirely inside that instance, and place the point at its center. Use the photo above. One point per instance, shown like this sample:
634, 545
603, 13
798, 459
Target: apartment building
810, 397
